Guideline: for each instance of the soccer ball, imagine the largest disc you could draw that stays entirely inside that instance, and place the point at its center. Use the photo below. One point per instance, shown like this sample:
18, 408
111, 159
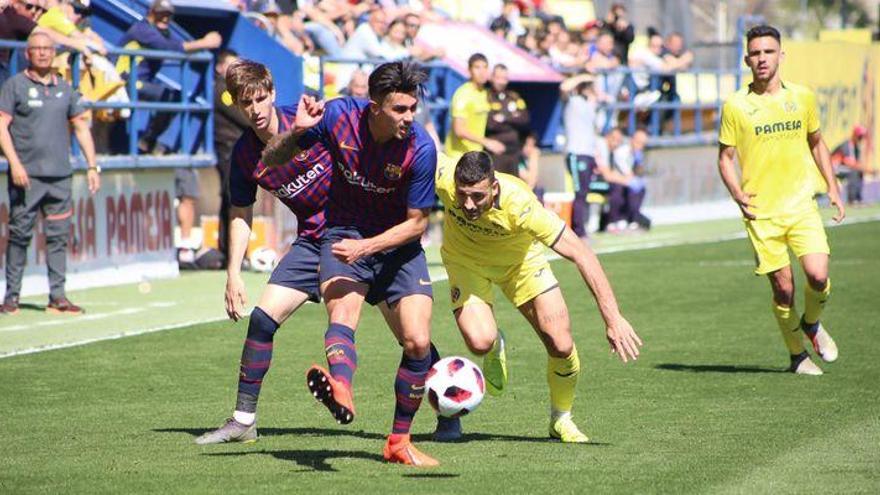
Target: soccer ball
455, 386
263, 259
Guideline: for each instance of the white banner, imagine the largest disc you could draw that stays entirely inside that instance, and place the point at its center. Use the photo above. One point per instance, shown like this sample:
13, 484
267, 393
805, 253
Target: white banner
122, 234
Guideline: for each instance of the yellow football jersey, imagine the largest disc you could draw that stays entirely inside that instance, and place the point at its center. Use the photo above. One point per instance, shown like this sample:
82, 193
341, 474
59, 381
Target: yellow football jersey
514, 231
472, 104
769, 133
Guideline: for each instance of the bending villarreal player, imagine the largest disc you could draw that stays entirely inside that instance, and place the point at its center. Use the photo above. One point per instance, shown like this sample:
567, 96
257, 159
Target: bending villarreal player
494, 233
772, 128
380, 196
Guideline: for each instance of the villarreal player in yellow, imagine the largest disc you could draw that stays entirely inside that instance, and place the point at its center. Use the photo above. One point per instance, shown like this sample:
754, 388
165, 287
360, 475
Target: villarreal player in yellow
494, 233
772, 128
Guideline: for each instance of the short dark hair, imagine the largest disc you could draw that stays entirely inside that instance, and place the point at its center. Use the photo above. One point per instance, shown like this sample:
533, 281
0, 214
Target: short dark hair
762, 31
477, 57
473, 167
396, 77
226, 54
499, 67
245, 78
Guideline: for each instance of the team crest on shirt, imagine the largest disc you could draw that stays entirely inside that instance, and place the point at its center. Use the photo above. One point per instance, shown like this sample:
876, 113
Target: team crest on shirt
790, 106
455, 293
33, 93
393, 172
302, 156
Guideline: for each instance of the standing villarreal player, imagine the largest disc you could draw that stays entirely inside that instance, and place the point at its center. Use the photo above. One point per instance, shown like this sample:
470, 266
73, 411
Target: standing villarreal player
380, 196
772, 128
495, 232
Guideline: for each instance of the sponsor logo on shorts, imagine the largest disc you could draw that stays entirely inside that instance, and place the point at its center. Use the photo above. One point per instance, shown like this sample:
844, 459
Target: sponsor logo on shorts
424, 282
539, 273
455, 293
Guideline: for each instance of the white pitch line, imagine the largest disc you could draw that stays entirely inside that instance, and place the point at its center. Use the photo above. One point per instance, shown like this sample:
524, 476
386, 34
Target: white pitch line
442, 276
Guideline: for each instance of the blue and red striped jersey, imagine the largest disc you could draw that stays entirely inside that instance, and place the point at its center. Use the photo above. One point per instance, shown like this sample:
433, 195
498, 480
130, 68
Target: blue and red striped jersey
302, 184
373, 184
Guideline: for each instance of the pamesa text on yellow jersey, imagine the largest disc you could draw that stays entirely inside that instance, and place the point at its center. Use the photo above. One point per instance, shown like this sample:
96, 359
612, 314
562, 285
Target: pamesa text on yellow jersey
513, 231
769, 133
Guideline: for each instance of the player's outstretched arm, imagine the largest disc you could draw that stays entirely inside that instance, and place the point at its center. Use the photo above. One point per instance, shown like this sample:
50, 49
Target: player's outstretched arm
283, 147
822, 157
624, 341
727, 169
239, 233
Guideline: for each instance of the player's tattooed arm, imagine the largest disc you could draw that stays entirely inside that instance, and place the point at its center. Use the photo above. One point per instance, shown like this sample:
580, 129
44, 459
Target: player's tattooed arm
283, 147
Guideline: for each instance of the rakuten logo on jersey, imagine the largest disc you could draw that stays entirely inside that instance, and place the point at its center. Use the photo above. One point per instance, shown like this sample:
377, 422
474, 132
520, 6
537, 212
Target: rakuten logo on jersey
299, 183
355, 179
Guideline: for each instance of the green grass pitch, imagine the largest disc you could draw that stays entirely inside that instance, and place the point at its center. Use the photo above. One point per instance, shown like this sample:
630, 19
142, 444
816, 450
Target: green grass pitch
707, 409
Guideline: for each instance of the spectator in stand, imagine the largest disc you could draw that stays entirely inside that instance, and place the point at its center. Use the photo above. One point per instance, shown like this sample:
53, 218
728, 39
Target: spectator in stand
617, 23
413, 23
602, 63
648, 62
500, 27
229, 124
566, 54
579, 122
282, 28
674, 54
508, 121
849, 164
155, 33
358, 85
470, 113
590, 35
366, 41
394, 42
18, 19
37, 109
320, 20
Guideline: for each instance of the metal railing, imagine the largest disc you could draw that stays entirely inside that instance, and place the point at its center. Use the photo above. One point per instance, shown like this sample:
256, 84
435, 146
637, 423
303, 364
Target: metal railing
195, 98
437, 79
670, 105
705, 91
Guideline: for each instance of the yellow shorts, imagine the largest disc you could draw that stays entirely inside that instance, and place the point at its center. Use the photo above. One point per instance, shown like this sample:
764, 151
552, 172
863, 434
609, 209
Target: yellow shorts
771, 238
520, 283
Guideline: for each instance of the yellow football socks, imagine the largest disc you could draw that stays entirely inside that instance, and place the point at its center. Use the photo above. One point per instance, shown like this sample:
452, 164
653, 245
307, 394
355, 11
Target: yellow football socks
562, 377
815, 302
789, 325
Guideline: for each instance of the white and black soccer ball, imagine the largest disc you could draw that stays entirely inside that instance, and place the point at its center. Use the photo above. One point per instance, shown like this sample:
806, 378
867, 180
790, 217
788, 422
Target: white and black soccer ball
455, 386
263, 259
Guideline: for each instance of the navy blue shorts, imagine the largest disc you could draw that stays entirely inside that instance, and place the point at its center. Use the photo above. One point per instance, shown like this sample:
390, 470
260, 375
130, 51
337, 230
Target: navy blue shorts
298, 269
391, 275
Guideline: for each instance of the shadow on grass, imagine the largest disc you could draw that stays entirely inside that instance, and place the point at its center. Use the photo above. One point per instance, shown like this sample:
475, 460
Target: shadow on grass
311, 460
431, 475
421, 437
272, 432
494, 437
717, 368
36, 308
